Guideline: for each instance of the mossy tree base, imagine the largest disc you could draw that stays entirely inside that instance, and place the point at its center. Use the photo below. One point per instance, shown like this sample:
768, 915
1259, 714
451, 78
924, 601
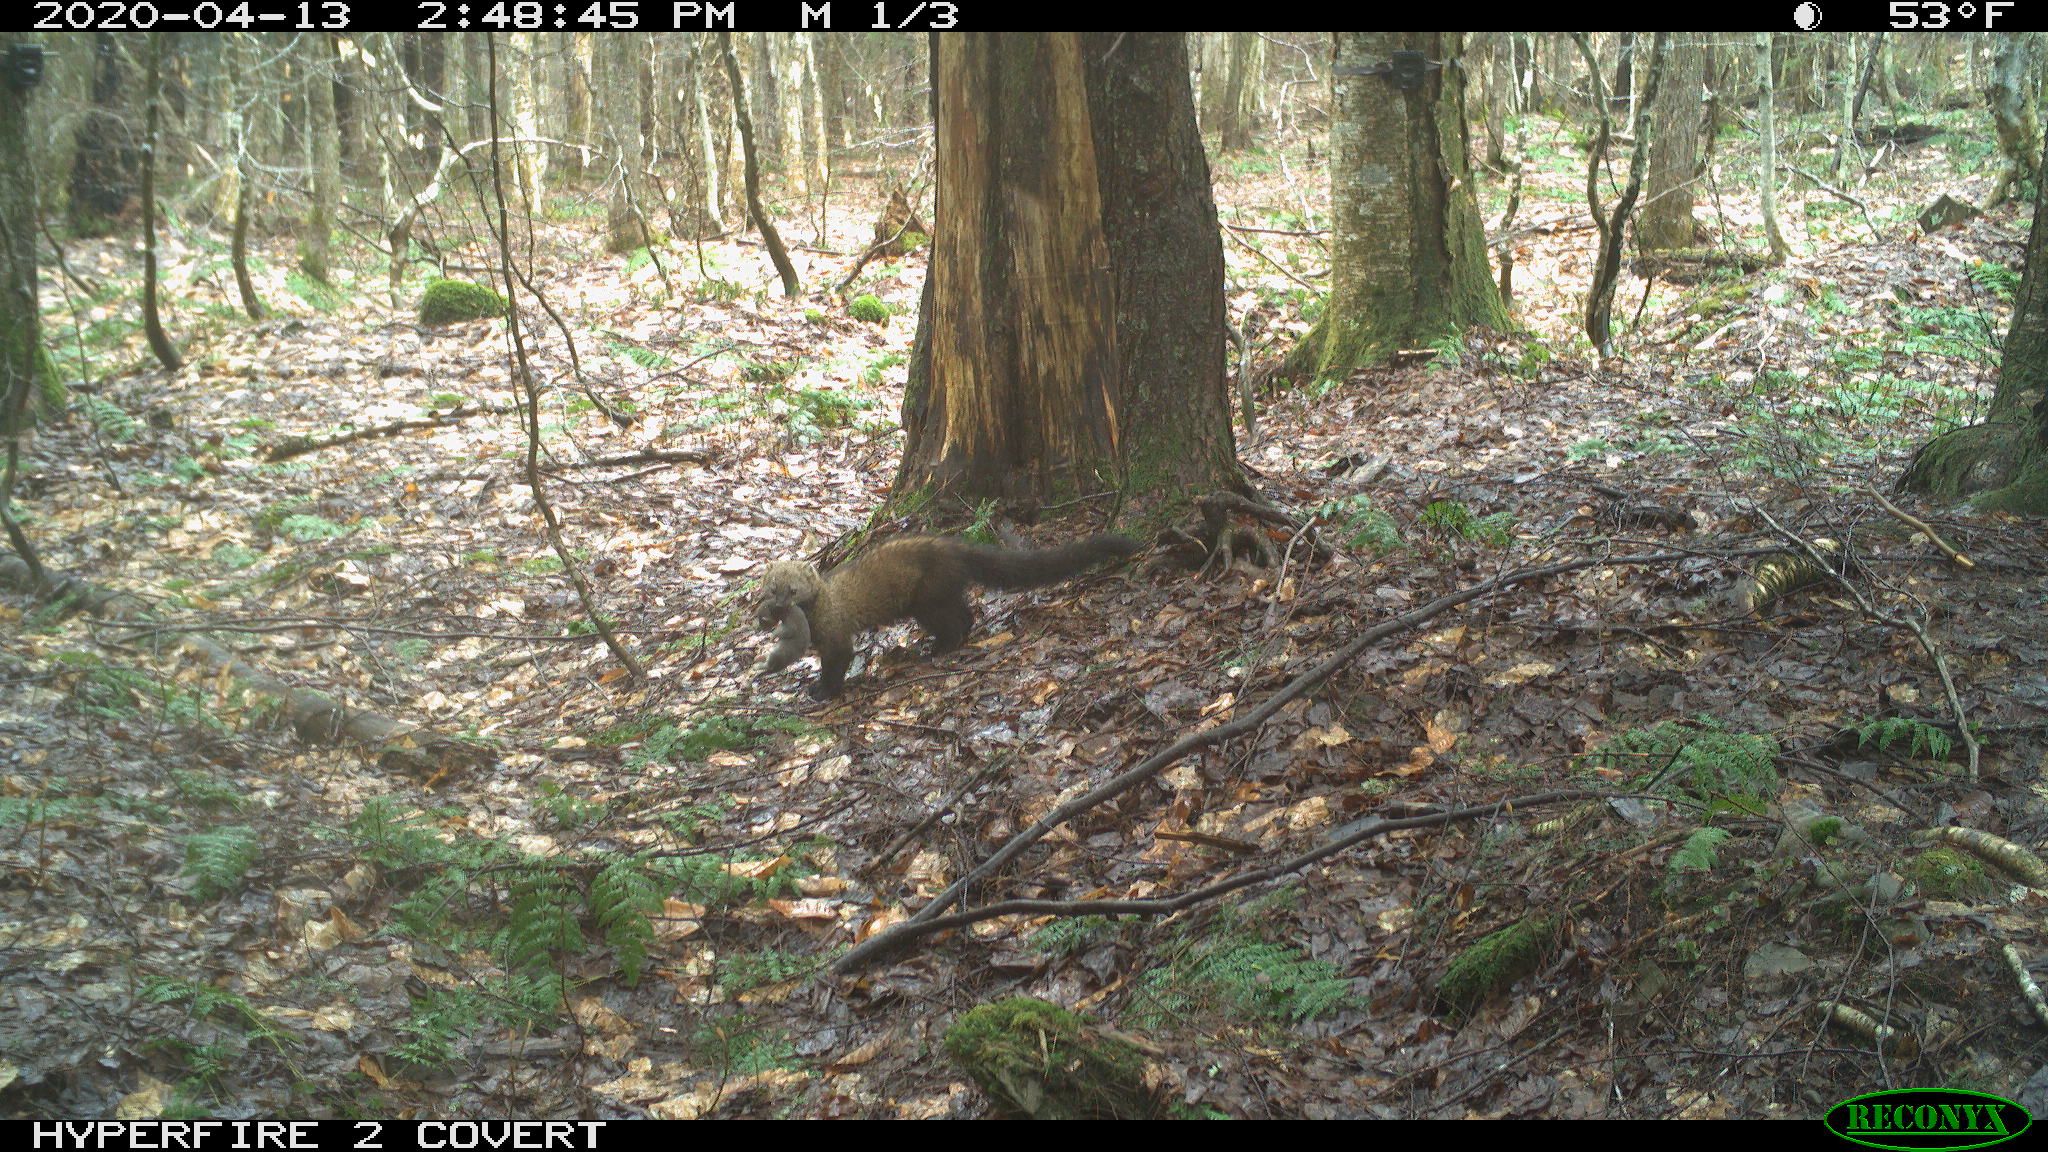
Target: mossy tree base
1333, 352
2000, 467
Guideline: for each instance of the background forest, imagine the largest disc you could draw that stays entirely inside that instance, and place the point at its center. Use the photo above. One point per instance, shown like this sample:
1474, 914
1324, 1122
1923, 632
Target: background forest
1587, 657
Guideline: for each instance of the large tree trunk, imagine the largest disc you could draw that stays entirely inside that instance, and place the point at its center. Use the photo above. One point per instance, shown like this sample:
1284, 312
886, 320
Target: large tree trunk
2011, 96
1070, 340
20, 326
1408, 265
316, 243
106, 162
617, 89
1666, 220
2003, 462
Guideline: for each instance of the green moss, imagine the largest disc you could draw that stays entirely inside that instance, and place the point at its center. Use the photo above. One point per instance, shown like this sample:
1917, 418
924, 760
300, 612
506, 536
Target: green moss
2027, 495
868, 308
1946, 874
1042, 1061
1496, 961
453, 301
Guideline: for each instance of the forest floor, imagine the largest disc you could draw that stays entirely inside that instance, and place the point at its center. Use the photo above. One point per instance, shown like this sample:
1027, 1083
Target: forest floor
203, 913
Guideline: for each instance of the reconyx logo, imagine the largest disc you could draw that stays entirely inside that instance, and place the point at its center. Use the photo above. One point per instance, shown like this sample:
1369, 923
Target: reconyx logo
1926, 1119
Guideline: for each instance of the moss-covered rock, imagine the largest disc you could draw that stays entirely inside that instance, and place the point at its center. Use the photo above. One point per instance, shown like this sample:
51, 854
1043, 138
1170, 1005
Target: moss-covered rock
1042, 1062
1946, 874
1495, 962
453, 301
868, 308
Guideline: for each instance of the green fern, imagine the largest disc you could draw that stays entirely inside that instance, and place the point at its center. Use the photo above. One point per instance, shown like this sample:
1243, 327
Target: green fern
651, 359
1071, 936
1704, 759
541, 919
28, 811
706, 880
1364, 527
1701, 852
1996, 277
306, 528
747, 972
217, 1051
535, 915
982, 530
206, 790
711, 734
877, 369
1234, 962
773, 373
623, 900
690, 822
1923, 740
440, 1016
322, 297
742, 1045
412, 651
1261, 979
206, 1002
218, 859
1450, 518
111, 419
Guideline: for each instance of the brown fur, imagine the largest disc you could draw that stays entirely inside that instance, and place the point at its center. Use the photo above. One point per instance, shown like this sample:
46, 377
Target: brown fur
923, 578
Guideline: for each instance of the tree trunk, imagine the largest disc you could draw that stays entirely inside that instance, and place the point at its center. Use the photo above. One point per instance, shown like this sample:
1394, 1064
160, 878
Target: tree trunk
1666, 221
763, 223
707, 195
1622, 100
1767, 128
2003, 462
617, 84
1241, 92
2011, 96
1070, 338
831, 92
152, 320
1408, 265
106, 159
20, 325
1612, 226
765, 91
810, 102
1853, 108
316, 241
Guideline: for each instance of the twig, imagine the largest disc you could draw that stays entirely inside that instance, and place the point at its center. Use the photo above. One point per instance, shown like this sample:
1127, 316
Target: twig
300, 445
1345, 837
927, 920
1919, 631
1254, 250
1838, 193
938, 810
1919, 525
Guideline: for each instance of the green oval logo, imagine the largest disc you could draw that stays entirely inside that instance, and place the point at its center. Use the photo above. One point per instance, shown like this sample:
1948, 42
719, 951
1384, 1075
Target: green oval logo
1923, 1119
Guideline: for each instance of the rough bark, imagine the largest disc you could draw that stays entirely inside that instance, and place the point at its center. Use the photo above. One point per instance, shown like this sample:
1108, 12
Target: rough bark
1409, 263
1071, 335
1665, 221
2002, 463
